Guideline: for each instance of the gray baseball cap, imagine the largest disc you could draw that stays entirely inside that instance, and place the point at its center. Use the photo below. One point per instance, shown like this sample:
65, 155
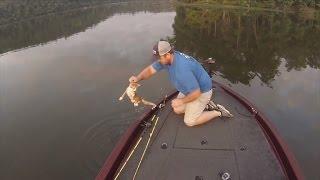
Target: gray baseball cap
161, 48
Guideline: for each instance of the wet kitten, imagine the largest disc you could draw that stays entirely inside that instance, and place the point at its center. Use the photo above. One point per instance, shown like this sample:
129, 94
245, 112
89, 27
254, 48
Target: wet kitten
135, 99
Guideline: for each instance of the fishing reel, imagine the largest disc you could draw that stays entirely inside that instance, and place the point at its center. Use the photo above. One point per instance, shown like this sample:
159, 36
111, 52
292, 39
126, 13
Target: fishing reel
161, 105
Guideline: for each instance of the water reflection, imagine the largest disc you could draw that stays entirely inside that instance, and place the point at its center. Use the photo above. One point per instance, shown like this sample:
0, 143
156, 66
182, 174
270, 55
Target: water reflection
248, 44
49, 28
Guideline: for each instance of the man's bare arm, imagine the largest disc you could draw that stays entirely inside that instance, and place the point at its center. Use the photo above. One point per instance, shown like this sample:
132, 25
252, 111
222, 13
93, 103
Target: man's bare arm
191, 96
145, 74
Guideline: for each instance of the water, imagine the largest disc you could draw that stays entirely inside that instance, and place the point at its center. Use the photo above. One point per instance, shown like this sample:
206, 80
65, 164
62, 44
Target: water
61, 76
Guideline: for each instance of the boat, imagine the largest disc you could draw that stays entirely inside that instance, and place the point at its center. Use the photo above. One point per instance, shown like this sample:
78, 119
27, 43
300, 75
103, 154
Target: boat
159, 145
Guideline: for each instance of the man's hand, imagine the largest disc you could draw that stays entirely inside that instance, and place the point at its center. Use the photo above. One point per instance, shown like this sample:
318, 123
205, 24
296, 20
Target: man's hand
176, 102
133, 79
191, 96
145, 74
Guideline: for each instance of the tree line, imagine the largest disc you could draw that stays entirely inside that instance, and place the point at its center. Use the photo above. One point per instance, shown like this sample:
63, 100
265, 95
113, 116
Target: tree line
280, 4
19, 10
248, 44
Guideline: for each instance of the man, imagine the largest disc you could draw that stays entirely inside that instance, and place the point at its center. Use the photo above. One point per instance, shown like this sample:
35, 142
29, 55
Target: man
190, 79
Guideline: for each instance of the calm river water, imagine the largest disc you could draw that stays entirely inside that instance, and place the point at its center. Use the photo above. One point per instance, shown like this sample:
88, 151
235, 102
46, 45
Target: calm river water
61, 76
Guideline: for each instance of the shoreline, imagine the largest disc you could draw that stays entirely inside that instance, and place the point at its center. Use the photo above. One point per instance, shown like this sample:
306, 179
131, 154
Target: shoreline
289, 9
92, 6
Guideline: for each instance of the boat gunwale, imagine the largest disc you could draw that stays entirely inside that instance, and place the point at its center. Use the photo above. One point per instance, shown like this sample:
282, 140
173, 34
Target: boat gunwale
281, 150
113, 161
284, 155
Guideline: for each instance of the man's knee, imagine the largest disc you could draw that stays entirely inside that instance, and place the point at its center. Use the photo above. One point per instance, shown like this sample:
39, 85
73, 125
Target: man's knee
190, 124
178, 111
190, 121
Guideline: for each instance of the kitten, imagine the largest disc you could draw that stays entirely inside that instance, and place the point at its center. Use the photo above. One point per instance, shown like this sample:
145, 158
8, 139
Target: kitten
135, 99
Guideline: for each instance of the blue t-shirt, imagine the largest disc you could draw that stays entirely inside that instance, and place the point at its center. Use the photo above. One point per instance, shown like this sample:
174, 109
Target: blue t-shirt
186, 74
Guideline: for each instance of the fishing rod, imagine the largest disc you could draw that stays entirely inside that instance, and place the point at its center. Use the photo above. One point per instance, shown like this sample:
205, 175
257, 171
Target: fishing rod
147, 125
132, 151
161, 105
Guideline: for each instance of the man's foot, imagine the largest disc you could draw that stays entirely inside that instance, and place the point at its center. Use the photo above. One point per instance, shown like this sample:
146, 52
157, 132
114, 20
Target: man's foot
224, 111
211, 106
